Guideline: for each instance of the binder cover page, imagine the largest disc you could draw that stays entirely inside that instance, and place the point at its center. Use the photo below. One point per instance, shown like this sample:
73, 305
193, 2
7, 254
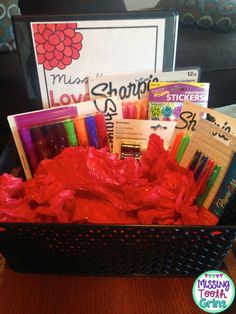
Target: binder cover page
67, 49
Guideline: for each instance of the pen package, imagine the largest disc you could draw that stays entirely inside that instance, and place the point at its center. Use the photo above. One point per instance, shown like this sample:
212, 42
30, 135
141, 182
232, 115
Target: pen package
45, 133
191, 113
208, 157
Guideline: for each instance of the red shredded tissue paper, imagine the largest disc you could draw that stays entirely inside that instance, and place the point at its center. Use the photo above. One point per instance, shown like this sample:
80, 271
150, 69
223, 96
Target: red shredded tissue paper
89, 185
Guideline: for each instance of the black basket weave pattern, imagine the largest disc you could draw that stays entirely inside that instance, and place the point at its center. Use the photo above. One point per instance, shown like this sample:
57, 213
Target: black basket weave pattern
114, 250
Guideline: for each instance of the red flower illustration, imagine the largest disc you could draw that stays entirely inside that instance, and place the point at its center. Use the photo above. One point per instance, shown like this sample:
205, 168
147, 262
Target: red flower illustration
57, 44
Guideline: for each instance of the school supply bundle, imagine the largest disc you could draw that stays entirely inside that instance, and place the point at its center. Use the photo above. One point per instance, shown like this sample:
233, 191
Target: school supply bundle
190, 142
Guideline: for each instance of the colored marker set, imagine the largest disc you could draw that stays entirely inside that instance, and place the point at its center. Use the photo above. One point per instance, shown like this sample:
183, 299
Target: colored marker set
42, 142
205, 173
179, 146
48, 140
135, 109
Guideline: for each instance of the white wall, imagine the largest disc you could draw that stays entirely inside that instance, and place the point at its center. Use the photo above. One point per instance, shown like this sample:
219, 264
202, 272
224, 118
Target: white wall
140, 4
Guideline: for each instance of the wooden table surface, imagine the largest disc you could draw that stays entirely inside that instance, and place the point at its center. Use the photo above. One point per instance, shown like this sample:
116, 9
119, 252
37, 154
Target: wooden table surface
46, 294
24, 293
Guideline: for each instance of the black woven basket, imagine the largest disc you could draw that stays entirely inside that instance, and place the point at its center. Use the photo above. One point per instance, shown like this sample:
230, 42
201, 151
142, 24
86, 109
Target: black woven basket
114, 250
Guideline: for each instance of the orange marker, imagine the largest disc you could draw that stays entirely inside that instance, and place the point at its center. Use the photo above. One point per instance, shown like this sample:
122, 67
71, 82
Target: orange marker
138, 107
144, 108
176, 144
81, 131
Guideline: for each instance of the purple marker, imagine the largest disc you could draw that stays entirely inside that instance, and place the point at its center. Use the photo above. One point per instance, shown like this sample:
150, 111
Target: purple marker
48, 133
40, 143
61, 140
91, 128
29, 148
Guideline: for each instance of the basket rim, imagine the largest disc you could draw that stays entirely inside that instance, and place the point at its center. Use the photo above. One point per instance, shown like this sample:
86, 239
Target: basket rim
120, 226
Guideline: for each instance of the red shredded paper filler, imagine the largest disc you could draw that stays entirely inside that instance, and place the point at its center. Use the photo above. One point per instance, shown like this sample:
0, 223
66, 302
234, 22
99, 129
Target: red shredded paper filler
93, 186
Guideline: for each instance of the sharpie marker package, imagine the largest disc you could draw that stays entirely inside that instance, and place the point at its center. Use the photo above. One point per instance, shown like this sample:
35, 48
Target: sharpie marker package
43, 134
134, 85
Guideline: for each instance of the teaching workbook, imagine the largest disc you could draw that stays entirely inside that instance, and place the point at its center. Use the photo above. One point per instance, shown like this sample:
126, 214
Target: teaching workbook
58, 52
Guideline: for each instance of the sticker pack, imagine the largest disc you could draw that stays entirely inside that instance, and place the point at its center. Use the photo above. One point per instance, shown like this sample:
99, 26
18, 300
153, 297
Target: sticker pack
166, 99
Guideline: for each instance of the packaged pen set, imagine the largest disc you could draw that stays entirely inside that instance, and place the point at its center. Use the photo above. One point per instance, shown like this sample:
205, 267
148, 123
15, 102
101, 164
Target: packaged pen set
209, 156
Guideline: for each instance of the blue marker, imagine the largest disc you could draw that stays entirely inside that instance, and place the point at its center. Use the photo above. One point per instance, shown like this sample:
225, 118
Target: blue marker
90, 124
201, 166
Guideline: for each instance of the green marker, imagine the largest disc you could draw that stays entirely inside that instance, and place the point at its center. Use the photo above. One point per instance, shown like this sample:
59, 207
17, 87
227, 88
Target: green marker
70, 132
201, 198
182, 147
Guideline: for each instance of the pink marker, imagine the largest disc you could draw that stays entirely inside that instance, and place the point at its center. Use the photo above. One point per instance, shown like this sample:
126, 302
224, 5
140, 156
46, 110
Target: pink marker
130, 110
124, 109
